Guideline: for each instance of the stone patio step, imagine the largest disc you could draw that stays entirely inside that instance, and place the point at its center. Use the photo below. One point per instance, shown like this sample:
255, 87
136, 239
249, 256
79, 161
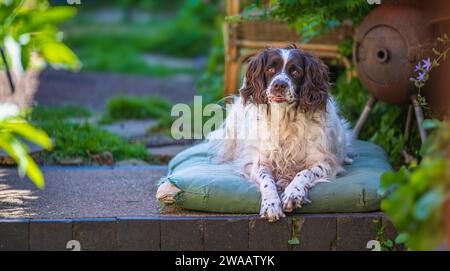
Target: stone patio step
324, 232
114, 208
73, 192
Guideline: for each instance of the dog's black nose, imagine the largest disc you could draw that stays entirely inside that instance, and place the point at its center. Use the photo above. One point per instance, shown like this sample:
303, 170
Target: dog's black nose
279, 86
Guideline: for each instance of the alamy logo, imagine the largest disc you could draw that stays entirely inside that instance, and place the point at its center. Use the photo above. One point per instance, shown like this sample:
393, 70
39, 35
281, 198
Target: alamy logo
374, 245
73, 245
374, 2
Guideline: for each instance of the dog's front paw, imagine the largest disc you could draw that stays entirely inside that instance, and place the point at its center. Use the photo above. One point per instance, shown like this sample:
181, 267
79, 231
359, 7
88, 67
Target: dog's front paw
271, 209
294, 197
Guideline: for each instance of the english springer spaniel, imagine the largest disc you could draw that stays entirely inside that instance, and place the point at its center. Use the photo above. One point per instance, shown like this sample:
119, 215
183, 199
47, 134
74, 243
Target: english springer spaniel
283, 131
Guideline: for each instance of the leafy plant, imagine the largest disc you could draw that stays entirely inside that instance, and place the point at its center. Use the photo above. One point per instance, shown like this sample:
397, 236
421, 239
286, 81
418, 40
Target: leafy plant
191, 33
154, 5
84, 140
73, 140
386, 244
385, 123
210, 84
43, 113
310, 18
13, 128
187, 33
416, 194
28, 36
28, 33
123, 107
424, 67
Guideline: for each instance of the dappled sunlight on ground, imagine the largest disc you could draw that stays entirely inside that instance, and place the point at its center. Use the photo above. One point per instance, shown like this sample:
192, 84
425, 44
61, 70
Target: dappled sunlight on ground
13, 201
72, 192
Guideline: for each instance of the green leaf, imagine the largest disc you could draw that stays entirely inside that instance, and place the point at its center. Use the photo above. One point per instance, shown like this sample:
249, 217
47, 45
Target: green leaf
52, 15
391, 179
57, 53
18, 152
389, 243
427, 147
402, 238
294, 241
431, 123
27, 131
427, 204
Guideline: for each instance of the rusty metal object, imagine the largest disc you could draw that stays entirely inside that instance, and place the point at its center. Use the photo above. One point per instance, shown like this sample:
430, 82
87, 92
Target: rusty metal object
388, 43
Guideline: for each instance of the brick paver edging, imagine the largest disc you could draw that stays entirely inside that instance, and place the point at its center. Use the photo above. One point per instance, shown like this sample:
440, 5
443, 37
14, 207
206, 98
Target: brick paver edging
313, 232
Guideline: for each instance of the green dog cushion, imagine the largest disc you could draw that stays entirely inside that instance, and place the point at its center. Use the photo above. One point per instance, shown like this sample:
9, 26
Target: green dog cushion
211, 187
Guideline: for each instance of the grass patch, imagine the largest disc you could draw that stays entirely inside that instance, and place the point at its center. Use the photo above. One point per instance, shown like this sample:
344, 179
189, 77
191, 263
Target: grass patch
80, 140
73, 140
41, 113
119, 46
385, 124
123, 58
123, 107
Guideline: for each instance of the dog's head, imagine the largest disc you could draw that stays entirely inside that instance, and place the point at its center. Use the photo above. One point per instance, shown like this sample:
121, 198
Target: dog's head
287, 75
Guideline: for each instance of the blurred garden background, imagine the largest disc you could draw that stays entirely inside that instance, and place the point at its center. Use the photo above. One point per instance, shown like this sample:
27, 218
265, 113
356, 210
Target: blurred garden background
115, 68
131, 61
164, 52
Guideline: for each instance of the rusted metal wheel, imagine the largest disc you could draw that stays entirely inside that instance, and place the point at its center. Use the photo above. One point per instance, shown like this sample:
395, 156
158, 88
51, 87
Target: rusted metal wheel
388, 43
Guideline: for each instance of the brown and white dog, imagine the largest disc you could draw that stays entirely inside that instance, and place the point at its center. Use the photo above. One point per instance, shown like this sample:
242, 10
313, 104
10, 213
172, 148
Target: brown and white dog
283, 131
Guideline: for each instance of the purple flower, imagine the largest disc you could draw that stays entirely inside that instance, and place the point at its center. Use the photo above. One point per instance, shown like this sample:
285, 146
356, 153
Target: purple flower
418, 67
427, 64
421, 76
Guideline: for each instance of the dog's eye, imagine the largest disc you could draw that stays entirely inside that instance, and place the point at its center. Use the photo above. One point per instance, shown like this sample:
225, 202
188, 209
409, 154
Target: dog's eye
295, 72
271, 70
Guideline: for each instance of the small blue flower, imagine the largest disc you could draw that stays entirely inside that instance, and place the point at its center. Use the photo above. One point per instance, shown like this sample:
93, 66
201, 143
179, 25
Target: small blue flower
427, 64
421, 76
418, 67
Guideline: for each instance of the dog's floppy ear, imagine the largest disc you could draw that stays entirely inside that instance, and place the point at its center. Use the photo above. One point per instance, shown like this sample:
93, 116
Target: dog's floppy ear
254, 84
315, 84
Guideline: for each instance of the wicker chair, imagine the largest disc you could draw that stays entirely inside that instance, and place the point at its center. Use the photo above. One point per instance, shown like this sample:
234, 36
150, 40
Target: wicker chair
244, 39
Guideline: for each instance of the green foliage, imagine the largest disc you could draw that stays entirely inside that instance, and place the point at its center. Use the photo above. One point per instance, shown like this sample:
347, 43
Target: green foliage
187, 33
385, 123
13, 128
312, 18
210, 84
425, 66
153, 5
190, 34
123, 107
72, 140
83, 140
43, 113
415, 195
386, 244
131, 41
29, 27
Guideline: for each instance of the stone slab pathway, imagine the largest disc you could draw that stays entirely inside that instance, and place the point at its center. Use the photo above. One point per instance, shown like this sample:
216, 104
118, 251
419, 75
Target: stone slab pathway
73, 192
